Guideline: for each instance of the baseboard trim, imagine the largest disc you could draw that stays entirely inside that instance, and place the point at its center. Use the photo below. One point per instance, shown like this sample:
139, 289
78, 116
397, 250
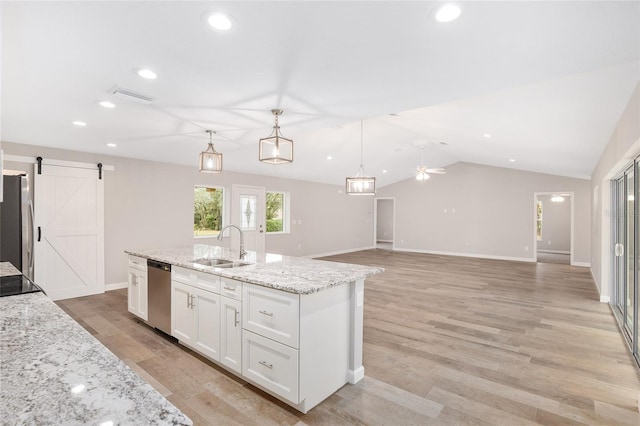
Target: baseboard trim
115, 286
582, 264
554, 251
604, 299
384, 241
334, 253
474, 255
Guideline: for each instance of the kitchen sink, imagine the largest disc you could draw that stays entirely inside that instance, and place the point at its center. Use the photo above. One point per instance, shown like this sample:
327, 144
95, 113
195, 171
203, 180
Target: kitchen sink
220, 263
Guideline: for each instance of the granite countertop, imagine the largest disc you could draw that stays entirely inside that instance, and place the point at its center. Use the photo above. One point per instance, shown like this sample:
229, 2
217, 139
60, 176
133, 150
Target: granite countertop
291, 274
7, 269
54, 372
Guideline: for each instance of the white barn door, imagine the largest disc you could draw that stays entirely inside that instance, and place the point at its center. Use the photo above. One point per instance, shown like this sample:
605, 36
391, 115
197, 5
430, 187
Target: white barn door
69, 240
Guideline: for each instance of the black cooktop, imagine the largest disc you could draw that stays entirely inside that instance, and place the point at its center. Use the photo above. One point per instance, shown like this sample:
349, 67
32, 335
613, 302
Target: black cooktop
17, 284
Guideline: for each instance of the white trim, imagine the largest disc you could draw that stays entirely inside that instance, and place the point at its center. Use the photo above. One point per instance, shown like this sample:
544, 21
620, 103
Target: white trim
554, 251
50, 162
334, 253
115, 286
475, 255
375, 221
535, 217
581, 264
604, 299
384, 241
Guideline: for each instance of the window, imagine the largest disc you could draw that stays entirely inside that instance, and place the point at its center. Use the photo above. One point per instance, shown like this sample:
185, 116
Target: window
539, 220
207, 211
277, 212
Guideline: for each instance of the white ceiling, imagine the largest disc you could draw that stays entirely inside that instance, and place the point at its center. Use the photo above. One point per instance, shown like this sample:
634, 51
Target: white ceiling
548, 80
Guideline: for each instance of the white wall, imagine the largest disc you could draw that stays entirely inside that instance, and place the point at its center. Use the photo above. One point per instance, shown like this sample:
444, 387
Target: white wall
384, 220
150, 204
556, 224
623, 146
481, 210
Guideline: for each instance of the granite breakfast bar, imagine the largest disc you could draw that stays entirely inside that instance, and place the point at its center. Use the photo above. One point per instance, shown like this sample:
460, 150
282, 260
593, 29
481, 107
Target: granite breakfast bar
52, 371
290, 326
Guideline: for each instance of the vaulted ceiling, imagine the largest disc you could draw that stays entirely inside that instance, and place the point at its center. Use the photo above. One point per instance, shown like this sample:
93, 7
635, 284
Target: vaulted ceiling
547, 80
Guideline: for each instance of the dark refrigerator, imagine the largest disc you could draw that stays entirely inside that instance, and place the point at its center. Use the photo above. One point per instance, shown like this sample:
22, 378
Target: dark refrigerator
16, 224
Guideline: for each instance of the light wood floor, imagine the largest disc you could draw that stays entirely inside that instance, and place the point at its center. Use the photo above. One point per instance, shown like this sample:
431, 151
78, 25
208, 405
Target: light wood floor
447, 340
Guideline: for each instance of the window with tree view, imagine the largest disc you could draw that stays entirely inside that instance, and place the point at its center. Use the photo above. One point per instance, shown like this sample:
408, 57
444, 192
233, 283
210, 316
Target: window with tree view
207, 211
276, 211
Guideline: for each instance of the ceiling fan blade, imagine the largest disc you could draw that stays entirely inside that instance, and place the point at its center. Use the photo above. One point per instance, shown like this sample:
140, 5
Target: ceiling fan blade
436, 171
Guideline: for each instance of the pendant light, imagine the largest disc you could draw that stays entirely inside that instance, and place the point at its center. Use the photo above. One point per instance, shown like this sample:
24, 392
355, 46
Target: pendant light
276, 149
210, 160
361, 184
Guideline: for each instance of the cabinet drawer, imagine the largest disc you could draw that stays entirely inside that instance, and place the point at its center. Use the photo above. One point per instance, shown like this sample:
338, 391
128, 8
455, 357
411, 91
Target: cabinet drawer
231, 288
197, 279
271, 365
138, 262
271, 313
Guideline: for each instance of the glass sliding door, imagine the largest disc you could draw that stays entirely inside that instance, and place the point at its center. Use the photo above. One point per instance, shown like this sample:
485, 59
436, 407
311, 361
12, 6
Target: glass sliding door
629, 295
618, 233
625, 232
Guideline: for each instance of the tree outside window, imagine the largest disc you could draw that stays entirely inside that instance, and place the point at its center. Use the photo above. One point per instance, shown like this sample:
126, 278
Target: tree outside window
207, 211
275, 211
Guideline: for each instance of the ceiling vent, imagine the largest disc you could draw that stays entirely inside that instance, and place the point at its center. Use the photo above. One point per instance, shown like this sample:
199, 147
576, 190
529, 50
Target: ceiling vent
130, 95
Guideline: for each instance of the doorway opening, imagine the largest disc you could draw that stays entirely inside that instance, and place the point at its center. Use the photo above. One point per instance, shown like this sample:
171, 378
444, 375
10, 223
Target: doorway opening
384, 223
553, 239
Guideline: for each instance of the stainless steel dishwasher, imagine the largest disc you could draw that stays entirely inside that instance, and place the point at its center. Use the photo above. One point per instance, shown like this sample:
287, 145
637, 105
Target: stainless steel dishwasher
159, 295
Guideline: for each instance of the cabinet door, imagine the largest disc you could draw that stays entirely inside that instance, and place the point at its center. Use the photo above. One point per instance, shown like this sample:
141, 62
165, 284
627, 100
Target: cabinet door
231, 334
207, 323
133, 296
137, 293
143, 301
182, 313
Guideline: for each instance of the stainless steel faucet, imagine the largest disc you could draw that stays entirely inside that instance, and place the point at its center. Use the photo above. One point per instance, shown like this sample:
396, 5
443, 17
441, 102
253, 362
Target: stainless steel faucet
242, 252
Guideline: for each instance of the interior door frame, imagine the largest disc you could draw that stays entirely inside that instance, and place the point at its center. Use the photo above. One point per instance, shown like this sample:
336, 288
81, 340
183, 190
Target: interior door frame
536, 196
375, 221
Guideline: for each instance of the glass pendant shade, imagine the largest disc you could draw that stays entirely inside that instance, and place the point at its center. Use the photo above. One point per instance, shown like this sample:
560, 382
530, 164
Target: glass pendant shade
276, 149
210, 160
361, 184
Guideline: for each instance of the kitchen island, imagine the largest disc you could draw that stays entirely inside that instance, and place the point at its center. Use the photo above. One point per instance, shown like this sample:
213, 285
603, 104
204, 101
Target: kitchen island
290, 326
52, 371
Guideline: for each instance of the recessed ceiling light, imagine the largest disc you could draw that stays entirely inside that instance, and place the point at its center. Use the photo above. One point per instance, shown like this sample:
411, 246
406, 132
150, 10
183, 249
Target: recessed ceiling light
384, 171
79, 123
111, 145
107, 104
393, 114
220, 22
486, 135
513, 160
447, 13
147, 73
444, 143
329, 157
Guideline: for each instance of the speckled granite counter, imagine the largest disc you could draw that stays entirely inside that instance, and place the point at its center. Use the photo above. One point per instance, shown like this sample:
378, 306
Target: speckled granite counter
292, 274
54, 372
7, 269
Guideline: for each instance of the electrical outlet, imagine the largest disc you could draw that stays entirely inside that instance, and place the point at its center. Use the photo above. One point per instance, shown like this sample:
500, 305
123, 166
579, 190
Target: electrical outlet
526, 248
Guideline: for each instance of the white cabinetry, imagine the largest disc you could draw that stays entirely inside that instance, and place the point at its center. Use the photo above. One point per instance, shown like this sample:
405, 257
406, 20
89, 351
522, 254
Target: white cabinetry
137, 287
195, 311
231, 334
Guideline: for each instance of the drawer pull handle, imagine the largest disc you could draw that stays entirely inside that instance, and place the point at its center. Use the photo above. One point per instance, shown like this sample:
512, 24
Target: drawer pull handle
236, 317
266, 364
229, 288
269, 314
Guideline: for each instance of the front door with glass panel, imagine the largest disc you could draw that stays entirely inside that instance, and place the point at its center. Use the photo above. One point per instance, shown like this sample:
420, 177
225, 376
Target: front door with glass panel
248, 212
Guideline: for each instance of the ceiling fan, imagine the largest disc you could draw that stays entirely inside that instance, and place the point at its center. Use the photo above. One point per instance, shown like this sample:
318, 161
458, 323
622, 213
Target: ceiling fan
422, 172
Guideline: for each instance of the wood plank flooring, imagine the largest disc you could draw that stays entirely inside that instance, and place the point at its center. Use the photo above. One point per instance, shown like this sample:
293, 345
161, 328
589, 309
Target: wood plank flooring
447, 341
